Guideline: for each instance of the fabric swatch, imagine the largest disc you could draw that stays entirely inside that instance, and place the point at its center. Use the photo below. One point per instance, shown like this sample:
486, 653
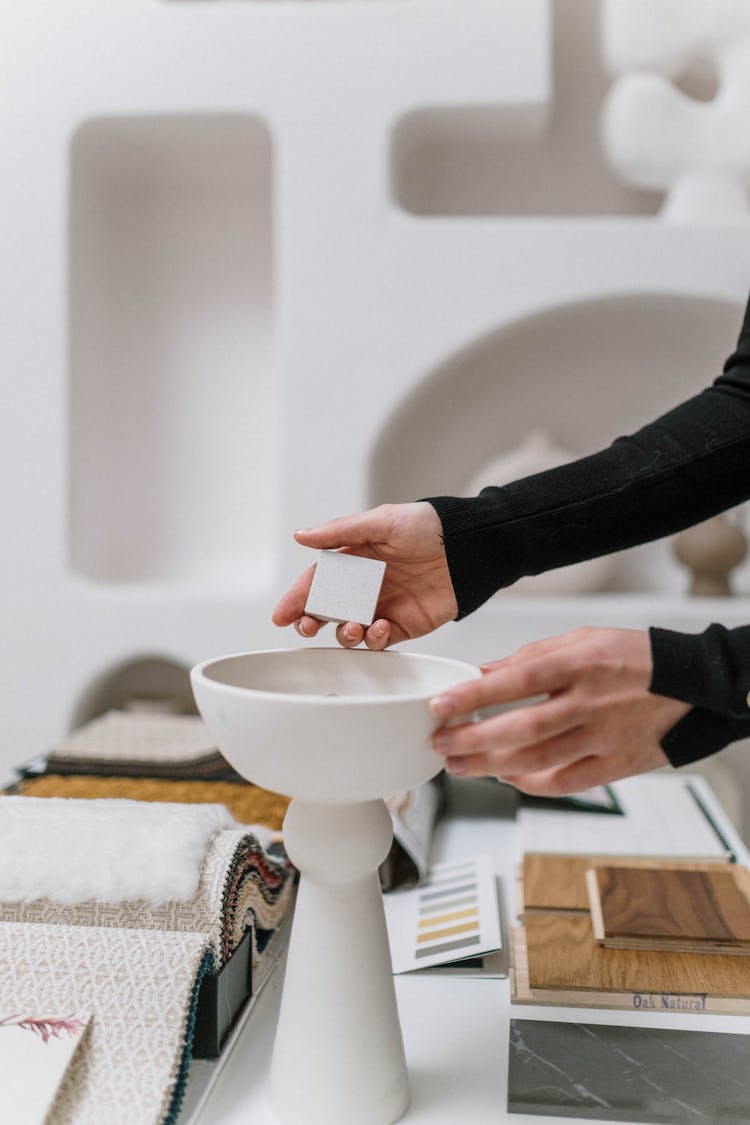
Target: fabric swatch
142, 744
248, 804
413, 813
71, 850
141, 988
240, 886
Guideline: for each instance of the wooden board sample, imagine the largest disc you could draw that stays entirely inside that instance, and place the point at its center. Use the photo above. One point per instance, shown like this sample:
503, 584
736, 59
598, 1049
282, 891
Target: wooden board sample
556, 960
551, 881
678, 910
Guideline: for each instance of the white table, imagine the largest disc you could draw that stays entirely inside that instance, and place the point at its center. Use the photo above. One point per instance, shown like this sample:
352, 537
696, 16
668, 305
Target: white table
455, 1029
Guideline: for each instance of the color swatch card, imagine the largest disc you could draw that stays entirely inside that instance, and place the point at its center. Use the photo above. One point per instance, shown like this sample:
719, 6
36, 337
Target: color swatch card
35, 1051
453, 915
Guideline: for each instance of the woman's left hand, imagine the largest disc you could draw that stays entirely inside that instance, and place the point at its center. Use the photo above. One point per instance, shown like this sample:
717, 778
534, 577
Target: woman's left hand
597, 723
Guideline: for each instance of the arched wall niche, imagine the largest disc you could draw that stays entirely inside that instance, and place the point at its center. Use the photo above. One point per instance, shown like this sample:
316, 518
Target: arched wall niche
148, 682
583, 373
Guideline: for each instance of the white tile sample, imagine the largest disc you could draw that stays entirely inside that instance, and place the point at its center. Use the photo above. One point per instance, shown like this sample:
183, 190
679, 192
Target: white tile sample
345, 588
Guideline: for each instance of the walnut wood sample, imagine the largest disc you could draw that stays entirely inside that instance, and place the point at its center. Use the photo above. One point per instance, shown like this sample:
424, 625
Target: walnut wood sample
640, 908
552, 881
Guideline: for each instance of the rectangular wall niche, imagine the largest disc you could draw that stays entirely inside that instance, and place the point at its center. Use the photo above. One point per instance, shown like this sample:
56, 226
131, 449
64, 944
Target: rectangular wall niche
172, 403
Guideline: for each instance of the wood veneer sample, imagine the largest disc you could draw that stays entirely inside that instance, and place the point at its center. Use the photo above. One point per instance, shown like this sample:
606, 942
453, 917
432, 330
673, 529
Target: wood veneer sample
556, 960
680, 910
558, 882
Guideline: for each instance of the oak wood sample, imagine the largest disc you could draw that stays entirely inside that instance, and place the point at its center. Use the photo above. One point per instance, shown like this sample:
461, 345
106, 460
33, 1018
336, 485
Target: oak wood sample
680, 910
559, 954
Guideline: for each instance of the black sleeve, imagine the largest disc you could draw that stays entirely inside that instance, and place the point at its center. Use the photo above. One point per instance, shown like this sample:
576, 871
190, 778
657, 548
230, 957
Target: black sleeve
711, 670
681, 469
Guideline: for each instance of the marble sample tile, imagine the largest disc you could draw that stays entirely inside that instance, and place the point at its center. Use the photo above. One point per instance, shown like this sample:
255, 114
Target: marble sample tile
636, 1074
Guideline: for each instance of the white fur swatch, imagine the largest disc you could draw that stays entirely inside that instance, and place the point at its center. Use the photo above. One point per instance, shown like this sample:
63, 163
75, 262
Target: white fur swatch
71, 850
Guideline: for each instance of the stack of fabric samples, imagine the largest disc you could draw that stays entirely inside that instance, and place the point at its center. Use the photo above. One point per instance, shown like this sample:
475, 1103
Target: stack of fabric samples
628, 932
148, 755
123, 909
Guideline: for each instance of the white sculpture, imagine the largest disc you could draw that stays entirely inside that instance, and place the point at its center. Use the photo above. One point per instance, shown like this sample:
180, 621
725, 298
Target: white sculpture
536, 453
337, 730
654, 135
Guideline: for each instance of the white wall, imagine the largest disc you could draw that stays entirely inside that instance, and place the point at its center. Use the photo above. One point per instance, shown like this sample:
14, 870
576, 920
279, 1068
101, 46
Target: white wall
239, 243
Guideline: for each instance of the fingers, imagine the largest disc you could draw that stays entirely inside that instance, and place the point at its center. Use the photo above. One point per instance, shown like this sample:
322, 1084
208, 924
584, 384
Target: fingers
519, 742
376, 636
522, 763
504, 683
379, 635
349, 634
308, 626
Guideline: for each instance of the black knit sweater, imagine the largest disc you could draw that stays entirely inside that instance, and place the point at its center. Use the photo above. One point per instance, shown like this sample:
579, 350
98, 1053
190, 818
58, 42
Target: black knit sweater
681, 469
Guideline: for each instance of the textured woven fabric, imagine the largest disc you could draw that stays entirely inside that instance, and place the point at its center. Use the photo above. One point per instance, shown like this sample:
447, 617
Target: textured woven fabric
248, 804
141, 744
140, 987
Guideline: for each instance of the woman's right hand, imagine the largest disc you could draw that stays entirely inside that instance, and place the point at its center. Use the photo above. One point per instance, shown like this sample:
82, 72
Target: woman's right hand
417, 593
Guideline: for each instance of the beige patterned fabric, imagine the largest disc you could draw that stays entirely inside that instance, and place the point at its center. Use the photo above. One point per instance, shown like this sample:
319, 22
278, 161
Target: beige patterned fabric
143, 743
139, 986
129, 735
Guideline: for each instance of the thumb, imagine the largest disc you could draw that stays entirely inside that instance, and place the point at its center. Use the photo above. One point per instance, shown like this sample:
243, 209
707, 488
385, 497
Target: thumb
346, 531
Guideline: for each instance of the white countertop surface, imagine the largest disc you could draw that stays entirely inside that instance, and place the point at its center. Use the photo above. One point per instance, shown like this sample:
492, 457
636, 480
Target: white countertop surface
455, 1029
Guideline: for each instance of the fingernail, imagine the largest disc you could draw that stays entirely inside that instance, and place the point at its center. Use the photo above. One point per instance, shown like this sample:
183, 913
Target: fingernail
443, 706
378, 629
302, 632
349, 632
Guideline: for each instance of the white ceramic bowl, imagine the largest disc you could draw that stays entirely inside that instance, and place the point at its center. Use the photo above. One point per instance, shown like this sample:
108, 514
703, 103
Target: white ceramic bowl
328, 725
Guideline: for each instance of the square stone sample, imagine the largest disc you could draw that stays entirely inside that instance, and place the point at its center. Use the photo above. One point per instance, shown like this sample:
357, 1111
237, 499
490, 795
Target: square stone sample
345, 588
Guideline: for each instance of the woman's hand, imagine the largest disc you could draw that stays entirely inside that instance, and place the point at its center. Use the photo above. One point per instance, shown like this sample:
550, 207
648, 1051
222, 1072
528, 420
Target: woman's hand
598, 722
417, 593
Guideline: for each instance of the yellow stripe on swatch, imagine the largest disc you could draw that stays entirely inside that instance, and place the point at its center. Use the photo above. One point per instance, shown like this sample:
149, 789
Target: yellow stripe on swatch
449, 931
470, 912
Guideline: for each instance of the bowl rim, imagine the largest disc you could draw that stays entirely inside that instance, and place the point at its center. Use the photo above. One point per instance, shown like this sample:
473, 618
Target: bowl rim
198, 676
